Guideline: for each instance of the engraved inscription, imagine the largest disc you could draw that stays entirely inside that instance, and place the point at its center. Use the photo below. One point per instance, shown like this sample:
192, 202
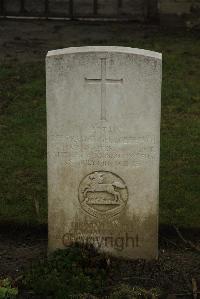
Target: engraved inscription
103, 81
103, 194
110, 150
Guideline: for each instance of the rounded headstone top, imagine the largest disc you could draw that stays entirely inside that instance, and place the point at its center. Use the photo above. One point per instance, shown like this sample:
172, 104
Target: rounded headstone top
111, 49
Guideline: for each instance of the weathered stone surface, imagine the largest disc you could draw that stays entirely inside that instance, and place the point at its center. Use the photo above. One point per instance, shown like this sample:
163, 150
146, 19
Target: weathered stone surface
12, 6
79, 8
83, 8
174, 7
174, 13
60, 8
107, 8
136, 8
35, 7
103, 116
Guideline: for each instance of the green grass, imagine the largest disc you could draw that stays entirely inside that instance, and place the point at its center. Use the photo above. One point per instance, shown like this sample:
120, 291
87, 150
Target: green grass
23, 134
82, 272
67, 273
23, 143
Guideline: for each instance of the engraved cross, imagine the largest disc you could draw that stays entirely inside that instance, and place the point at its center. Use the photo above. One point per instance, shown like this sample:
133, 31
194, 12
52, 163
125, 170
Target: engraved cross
103, 81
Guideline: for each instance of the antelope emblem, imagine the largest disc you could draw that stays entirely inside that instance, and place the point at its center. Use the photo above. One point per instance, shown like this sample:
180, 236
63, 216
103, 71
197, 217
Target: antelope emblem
97, 185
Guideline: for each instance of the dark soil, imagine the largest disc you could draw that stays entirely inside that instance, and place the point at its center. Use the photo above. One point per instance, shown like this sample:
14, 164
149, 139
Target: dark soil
30, 40
19, 247
173, 272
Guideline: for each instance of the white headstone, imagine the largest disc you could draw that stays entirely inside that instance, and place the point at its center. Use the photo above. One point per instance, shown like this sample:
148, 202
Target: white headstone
103, 117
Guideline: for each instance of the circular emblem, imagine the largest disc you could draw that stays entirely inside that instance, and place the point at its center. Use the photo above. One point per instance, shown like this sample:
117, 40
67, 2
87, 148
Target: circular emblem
102, 194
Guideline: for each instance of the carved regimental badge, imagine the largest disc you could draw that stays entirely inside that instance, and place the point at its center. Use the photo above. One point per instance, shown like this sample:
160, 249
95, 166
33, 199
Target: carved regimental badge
103, 193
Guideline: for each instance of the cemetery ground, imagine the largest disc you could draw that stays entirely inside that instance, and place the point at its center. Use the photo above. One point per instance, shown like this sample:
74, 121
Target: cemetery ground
23, 210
